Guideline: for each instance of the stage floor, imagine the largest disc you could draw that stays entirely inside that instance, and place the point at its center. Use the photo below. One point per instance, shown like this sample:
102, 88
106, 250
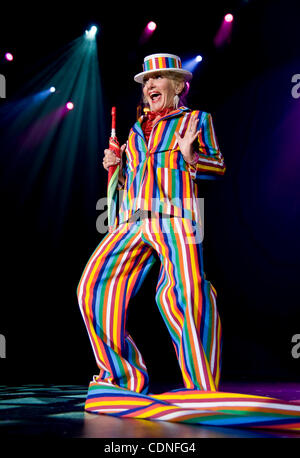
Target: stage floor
56, 411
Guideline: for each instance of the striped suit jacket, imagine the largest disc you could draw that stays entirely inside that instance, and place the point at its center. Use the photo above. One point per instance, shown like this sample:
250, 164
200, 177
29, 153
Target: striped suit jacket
157, 178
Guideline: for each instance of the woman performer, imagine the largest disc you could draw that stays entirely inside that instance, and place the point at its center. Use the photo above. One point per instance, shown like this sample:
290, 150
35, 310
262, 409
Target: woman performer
165, 151
168, 149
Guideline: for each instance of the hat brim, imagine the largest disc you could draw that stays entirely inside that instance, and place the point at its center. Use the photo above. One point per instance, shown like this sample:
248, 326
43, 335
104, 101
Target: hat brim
139, 78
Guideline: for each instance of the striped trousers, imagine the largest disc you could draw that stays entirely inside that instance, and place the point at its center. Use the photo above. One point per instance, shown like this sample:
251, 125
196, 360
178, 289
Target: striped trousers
186, 300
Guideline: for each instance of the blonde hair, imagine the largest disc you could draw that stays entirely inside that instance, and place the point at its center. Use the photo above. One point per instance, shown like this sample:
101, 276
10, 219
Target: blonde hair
177, 79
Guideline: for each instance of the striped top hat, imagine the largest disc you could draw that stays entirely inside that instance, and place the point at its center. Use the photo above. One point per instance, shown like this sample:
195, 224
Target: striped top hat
162, 62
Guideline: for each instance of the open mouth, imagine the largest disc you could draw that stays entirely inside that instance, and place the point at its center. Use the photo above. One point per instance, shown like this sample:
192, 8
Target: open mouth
155, 97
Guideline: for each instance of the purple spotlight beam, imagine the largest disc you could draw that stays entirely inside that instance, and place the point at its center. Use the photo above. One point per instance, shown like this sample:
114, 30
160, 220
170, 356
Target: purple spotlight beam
223, 35
147, 32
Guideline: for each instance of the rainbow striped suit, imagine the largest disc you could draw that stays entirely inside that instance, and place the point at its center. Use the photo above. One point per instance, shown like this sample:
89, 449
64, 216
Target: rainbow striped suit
157, 177
159, 180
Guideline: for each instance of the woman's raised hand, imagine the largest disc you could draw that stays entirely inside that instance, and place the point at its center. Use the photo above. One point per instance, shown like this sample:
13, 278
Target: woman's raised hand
185, 143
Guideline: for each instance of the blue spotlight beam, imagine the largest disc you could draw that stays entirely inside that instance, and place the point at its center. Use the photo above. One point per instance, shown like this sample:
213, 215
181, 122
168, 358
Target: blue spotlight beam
48, 133
191, 64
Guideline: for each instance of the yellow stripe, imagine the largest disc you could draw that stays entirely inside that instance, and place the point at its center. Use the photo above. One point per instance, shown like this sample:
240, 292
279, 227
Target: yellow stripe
201, 167
159, 179
118, 299
158, 129
171, 161
194, 270
194, 273
147, 184
173, 308
86, 299
156, 410
218, 373
130, 143
185, 374
139, 376
116, 403
140, 263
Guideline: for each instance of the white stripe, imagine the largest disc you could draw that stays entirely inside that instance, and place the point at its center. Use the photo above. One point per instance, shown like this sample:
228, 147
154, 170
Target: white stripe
131, 375
102, 247
80, 294
172, 415
190, 305
109, 317
103, 409
225, 403
210, 122
182, 126
140, 358
100, 382
166, 186
212, 160
142, 174
164, 299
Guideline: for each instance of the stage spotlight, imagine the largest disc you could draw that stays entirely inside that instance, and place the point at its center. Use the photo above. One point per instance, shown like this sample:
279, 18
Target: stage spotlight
228, 17
223, 35
90, 34
52, 89
8, 56
191, 64
37, 123
70, 105
147, 32
151, 26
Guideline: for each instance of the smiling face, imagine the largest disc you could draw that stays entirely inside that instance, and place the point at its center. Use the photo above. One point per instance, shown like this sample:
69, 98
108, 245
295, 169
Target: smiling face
159, 90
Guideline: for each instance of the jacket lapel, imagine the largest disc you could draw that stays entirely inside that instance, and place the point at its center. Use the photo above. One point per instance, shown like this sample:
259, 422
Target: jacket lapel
162, 137
137, 127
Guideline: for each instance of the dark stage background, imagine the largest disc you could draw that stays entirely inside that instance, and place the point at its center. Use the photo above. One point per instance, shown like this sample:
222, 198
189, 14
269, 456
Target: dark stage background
251, 242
